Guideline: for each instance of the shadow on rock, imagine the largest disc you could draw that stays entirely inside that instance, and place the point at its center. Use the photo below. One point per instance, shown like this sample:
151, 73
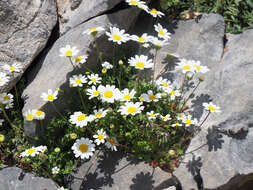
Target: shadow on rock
142, 181
214, 139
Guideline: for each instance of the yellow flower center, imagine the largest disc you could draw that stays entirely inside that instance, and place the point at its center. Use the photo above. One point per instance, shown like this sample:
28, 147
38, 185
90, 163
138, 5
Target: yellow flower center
131, 110
127, 97
164, 118
152, 97
78, 81
177, 124
116, 37
93, 79
111, 141
100, 137
31, 150
197, 67
93, 29
39, 113
50, 97
83, 148
141, 39
154, 11
133, 2
81, 117
108, 94
29, 117
211, 108
99, 115
188, 122
79, 58
68, 53
140, 64
186, 67
6, 98
161, 32
152, 115
165, 84
172, 92
12, 68
96, 93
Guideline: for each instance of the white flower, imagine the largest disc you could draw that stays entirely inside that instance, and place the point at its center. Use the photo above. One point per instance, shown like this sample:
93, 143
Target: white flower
177, 124
62, 188
111, 143
107, 65
198, 67
134, 2
29, 115
181, 116
152, 115
109, 93
144, 38
3, 79
140, 62
143, 7
6, 98
79, 119
173, 93
155, 13
189, 121
77, 80
162, 83
2, 138
130, 108
100, 137
15, 67
158, 43
117, 35
55, 170
38, 114
185, 66
30, 152
68, 51
41, 148
94, 79
93, 30
162, 32
166, 117
141, 98
93, 92
80, 60
126, 95
150, 96
211, 107
83, 148
99, 114
50, 96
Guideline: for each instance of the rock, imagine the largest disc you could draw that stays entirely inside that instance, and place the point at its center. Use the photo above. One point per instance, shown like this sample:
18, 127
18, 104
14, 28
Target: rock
25, 27
115, 170
13, 178
74, 12
55, 70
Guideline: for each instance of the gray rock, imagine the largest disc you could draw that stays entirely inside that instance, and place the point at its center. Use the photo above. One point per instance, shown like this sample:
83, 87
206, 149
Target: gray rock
13, 178
25, 27
55, 71
74, 12
115, 170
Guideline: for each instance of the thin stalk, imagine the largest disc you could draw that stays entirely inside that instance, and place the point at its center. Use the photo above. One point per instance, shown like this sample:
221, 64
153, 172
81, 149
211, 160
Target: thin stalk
98, 51
16, 92
58, 112
71, 62
8, 120
80, 94
153, 79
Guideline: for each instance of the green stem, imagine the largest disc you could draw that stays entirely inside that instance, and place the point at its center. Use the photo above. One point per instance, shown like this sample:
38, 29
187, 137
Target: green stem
58, 112
153, 79
16, 91
98, 51
80, 94
71, 62
14, 127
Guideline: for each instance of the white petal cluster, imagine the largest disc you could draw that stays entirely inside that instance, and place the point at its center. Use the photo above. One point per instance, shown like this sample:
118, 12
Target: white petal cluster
111, 143
162, 32
94, 79
55, 170
68, 51
100, 137
109, 93
7, 100
4, 79
130, 108
107, 65
77, 80
15, 67
33, 151
80, 119
117, 35
151, 96
126, 95
211, 107
93, 30
50, 96
191, 66
141, 62
83, 148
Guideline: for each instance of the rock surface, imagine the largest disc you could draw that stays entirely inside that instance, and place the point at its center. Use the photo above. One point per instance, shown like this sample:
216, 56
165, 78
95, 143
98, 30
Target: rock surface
12, 178
25, 27
74, 12
114, 170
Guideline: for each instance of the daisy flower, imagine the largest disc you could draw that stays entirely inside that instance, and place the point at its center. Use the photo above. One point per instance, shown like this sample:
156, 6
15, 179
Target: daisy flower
198, 67
117, 35
150, 96
93, 92
50, 96
41, 148
77, 80
185, 66
93, 30
109, 93
68, 51
55, 170
141, 98
107, 65
100, 137
181, 116
189, 121
30, 152
166, 117
177, 124
111, 143
3, 79
126, 95
29, 115
79, 119
173, 93
83, 148
94, 79
130, 108
162, 83
158, 43
152, 115
211, 107
80, 60
6, 98
140, 62
2, 138
144, 38
162, 32
143, 6
15, 67
134, 2
155, 13
99, 114
38, 114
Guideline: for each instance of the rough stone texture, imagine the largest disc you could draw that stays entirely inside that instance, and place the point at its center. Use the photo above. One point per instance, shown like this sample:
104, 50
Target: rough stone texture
115, 171
55, 71
12, 178
74, 12
25, 27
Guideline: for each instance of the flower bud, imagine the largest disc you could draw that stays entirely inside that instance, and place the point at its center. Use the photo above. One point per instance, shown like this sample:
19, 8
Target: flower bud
112, 126
73, 136
2, 138
121, 62
201, 78
104, 70
171, 152
57, 149
189, 75
164, 95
